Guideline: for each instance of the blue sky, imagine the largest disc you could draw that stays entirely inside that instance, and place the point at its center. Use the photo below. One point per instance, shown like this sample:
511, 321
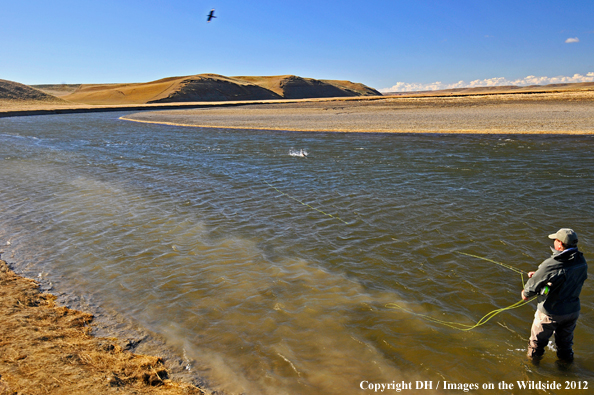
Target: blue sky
385, 43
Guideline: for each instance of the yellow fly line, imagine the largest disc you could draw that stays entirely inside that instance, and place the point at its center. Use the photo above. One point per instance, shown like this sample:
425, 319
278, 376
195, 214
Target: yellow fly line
520, 272
467, 327
451, 324
305, 204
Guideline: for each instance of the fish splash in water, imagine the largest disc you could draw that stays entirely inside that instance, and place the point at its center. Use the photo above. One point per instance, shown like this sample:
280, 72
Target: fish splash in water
301, 153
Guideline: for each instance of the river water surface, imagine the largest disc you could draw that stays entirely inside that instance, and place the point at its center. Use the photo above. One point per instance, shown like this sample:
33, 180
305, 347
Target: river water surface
269, 260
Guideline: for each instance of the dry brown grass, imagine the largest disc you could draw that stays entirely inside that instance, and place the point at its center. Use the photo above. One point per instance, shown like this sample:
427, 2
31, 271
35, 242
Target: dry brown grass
213, 87
46, 348
10, 90
272, 83
31, 105
124, 93
155, 91
291, 86
57, 90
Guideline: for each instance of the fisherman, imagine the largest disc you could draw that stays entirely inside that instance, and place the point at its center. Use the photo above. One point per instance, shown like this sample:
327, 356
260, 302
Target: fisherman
557, 282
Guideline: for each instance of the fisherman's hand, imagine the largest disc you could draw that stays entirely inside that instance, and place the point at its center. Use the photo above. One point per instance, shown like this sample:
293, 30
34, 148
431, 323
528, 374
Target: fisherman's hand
530, 274
524, 296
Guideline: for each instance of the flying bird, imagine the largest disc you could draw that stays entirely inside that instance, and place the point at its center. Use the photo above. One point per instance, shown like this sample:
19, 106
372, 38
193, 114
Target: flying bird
210, 15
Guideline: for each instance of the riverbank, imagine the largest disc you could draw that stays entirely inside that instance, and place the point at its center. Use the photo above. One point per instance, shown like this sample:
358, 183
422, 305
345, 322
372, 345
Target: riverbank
46, 348
18, 108
520, 113
545, 112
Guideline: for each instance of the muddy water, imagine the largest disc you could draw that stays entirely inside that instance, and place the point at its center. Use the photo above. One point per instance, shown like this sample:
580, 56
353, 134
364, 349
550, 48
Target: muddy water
266, 259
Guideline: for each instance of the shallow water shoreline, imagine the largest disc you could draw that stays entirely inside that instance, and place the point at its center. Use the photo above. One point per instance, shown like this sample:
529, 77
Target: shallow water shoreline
32, 359
28, 109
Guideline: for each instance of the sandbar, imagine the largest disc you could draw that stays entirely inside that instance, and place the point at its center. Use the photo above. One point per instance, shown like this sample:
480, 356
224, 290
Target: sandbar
519, 113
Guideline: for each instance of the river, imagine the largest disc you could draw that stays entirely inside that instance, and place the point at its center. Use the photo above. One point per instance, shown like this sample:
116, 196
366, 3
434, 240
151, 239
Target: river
271, 261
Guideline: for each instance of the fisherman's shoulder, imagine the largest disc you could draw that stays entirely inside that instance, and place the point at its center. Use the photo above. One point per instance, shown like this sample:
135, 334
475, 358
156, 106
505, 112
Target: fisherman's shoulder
580, 256
548, 267
552, 261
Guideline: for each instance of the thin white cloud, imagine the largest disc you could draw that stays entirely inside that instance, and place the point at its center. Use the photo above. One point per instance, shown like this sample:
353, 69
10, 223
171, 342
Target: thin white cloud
497, 81
572, 40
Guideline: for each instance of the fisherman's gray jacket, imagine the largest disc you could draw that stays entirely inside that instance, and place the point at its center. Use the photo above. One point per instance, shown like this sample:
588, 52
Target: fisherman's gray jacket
566, 272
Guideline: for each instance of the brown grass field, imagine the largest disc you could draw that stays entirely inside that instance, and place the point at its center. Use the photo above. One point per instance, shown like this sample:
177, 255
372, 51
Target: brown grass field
45, 348
206, 87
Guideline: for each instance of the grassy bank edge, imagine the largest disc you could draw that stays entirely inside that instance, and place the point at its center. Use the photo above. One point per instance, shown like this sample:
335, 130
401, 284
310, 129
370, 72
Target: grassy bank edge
46, 348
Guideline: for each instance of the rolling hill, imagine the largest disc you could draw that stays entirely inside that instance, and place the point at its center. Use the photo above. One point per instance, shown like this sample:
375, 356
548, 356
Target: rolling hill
214, 87
16, 92
294, 87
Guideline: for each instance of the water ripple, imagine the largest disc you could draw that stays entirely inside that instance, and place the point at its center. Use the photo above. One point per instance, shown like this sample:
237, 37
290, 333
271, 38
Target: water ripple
179, 230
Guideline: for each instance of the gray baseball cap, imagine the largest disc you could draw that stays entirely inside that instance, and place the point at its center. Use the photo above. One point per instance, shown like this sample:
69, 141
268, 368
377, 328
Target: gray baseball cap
566, 236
